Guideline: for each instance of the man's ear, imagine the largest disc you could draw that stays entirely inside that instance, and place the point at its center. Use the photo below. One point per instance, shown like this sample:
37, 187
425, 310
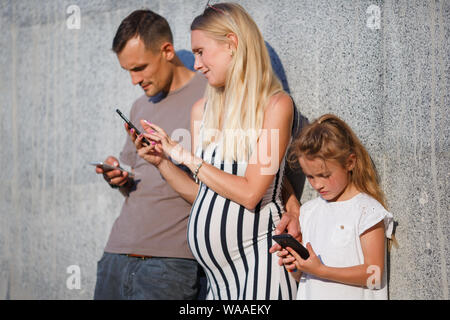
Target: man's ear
168, 51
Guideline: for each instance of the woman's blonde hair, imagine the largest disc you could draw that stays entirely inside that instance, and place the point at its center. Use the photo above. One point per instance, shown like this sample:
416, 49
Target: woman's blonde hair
236, 111
330, 138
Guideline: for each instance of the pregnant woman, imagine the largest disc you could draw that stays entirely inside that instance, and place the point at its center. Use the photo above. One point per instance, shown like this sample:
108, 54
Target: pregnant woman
240, 133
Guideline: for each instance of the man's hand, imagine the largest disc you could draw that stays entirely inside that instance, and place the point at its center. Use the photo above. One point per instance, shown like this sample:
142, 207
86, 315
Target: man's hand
115, 178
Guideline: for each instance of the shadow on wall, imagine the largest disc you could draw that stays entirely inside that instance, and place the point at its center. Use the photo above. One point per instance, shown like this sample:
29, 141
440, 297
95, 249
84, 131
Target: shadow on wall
187, 58
295, 175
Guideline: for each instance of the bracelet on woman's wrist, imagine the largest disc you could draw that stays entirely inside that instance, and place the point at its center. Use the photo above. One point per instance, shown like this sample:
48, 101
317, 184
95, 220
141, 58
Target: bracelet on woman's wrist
195, 176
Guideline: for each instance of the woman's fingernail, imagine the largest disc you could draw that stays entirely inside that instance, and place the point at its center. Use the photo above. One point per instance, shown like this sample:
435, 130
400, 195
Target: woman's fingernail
147, 122
132, 130
153, 143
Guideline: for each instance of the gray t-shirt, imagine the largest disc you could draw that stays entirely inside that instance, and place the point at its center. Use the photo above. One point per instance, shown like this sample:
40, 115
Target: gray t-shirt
154, 217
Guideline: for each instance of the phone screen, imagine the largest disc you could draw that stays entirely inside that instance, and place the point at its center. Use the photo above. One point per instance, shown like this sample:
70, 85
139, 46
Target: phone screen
286, 240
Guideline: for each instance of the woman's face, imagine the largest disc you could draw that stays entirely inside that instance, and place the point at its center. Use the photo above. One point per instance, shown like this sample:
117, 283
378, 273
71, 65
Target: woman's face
212, 58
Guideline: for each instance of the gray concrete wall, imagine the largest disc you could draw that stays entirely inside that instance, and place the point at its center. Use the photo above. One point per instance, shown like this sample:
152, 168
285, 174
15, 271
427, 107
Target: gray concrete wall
383, 66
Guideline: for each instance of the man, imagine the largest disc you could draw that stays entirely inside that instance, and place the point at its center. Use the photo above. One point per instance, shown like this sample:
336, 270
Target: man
147, 255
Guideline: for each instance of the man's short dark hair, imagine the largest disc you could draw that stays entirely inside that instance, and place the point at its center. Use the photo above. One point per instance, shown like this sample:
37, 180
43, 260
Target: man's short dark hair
152, 28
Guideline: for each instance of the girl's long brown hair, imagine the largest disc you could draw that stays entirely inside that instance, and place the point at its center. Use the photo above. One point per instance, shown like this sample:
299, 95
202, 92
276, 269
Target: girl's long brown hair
330, 138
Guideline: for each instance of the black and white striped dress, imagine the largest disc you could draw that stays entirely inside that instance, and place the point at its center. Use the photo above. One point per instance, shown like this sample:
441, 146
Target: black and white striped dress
232, 243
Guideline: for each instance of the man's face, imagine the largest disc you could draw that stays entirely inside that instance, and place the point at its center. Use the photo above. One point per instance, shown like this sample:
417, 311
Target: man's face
147, 68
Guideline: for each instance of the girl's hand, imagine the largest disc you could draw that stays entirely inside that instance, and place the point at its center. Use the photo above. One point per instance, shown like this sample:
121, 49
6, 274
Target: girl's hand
287, 260
163, 143
312, 265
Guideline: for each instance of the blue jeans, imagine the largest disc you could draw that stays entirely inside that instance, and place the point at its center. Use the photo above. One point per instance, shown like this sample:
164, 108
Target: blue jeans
120, 277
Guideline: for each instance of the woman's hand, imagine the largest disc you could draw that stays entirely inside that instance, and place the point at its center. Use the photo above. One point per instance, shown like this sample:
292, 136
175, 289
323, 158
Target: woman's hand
164, 144
151, 153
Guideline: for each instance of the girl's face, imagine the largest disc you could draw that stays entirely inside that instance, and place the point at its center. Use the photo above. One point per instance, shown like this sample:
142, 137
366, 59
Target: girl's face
212, 58
329, 177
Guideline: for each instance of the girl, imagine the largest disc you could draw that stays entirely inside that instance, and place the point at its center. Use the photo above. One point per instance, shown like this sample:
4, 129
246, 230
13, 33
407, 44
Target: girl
346, 227
240, 131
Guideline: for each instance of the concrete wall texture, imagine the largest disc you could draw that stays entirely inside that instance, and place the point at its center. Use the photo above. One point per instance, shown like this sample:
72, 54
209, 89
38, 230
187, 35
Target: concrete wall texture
383, 66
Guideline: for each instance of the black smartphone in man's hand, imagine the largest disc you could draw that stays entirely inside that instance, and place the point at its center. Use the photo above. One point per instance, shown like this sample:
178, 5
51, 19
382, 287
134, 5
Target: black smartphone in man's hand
286, 240
132, 126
